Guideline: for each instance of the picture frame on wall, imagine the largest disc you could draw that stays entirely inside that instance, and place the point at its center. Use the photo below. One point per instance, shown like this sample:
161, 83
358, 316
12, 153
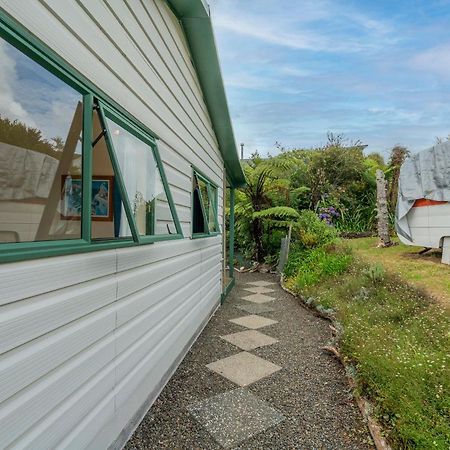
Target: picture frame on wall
101, 197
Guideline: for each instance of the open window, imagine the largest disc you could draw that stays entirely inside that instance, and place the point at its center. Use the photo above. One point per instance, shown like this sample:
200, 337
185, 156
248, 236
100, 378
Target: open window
142, 205
204, 206
76, 173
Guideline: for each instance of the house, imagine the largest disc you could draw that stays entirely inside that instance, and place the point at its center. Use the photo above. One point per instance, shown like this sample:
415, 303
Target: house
116, 158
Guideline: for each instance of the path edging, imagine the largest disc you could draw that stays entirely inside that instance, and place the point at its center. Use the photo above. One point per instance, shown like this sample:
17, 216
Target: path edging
364, 405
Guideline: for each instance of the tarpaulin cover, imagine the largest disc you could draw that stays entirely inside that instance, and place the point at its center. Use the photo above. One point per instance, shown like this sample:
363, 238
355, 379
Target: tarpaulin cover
25, 174
424, 175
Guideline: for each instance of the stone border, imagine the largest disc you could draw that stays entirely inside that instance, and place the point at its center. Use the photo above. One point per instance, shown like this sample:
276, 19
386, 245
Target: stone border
365, 406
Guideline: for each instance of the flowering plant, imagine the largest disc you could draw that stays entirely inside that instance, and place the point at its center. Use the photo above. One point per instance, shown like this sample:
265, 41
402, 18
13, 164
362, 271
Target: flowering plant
328, 214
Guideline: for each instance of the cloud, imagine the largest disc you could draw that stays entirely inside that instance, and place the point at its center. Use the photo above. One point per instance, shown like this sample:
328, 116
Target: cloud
435, 60
10, 106
30, 94
319, 26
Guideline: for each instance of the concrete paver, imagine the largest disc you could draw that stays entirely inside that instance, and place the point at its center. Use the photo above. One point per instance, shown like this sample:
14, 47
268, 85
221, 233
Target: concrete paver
243, 368
253, 321
249, 339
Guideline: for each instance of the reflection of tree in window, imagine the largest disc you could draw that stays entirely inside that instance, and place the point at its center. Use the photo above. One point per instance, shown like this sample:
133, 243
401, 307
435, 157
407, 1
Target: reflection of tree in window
36, 169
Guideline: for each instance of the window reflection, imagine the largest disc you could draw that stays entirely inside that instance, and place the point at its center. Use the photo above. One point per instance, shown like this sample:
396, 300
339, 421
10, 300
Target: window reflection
40, 152
109, 220
143, 183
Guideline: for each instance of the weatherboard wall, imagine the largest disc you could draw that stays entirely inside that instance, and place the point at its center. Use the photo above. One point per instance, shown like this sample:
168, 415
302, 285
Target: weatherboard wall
88, 340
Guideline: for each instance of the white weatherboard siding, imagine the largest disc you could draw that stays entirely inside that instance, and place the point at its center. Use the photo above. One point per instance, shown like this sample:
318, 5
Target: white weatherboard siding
87, 341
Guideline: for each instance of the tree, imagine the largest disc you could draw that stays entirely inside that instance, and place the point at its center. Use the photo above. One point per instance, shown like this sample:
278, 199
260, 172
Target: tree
264, 177
397, 157
383, 213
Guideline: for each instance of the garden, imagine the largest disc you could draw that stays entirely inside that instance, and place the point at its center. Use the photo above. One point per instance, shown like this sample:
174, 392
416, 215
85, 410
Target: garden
389, 306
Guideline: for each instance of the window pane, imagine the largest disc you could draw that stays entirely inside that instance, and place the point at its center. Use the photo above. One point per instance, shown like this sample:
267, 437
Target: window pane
212, 209
143, 183
207, 192
198, 220
40, 152
109, 220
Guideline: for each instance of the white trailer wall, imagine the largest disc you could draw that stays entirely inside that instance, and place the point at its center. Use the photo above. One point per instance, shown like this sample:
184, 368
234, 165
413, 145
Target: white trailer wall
86, 339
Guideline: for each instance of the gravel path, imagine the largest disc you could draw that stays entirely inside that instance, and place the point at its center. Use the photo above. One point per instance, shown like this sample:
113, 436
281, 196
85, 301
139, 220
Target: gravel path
307, 404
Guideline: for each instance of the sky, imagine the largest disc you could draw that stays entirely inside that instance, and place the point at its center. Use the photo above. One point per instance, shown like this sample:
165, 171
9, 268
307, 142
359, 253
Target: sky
375, 71
31, 94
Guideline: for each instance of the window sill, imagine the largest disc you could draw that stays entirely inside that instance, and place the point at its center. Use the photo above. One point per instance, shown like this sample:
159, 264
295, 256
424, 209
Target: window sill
35, 250
205, 235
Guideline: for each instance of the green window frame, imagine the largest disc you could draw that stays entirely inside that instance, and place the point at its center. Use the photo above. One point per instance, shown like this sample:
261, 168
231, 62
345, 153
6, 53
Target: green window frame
93, 98
200, 205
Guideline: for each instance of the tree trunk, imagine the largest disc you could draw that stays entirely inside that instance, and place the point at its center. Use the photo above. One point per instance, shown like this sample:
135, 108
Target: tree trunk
382, 208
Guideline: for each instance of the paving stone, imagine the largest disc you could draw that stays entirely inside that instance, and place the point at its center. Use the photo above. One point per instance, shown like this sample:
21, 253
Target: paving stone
259, 290
254, 308
253, 321
258, 298
243, 368
234, 416
260, 283
249, 339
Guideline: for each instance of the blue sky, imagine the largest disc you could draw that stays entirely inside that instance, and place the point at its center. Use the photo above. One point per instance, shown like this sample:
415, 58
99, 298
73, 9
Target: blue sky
378, 71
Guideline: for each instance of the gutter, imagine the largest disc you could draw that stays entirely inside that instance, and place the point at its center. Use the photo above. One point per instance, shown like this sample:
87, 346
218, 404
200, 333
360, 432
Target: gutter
195, 18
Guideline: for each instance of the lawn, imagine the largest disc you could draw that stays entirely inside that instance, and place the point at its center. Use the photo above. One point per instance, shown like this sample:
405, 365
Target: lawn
396, 336
424, 271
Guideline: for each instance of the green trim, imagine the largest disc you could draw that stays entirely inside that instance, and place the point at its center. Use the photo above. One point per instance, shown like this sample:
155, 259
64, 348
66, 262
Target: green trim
195, 19
231, 234
117, 172
204, 235
20, 37
24, 41
228, 288
88, 105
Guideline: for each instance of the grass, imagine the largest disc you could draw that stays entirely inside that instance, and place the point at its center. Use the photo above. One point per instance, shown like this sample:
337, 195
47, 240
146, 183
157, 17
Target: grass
399, 341
424, 271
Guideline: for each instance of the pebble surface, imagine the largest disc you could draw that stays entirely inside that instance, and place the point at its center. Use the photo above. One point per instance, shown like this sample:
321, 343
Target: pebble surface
311, 391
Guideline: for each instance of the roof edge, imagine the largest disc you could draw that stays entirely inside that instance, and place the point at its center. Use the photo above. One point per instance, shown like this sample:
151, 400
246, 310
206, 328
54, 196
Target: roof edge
196, 21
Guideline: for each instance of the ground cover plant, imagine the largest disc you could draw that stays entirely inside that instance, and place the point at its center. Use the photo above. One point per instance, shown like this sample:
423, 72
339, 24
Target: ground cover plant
394, 335
423, 271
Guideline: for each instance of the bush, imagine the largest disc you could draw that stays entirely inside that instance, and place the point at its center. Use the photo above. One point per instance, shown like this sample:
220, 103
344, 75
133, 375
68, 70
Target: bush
313, 232
310, 266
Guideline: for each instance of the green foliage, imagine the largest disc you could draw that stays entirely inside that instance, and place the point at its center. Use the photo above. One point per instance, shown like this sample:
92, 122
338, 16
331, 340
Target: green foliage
337, 176
398, 341
375, 273
312, 232
19, 134
310, 266
283, 213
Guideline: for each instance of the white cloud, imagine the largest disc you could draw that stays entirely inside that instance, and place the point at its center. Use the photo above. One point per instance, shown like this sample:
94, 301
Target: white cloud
36, 98
10, 106
435, 60
312, 25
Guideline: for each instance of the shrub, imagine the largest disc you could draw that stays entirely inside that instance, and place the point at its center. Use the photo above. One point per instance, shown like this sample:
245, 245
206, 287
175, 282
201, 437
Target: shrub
310, 266
313, 232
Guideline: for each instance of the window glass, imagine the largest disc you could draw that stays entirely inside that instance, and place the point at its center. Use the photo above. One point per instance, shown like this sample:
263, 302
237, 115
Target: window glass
143, 183
198, 218
212, 209
108, 218
204, 206
40, 152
